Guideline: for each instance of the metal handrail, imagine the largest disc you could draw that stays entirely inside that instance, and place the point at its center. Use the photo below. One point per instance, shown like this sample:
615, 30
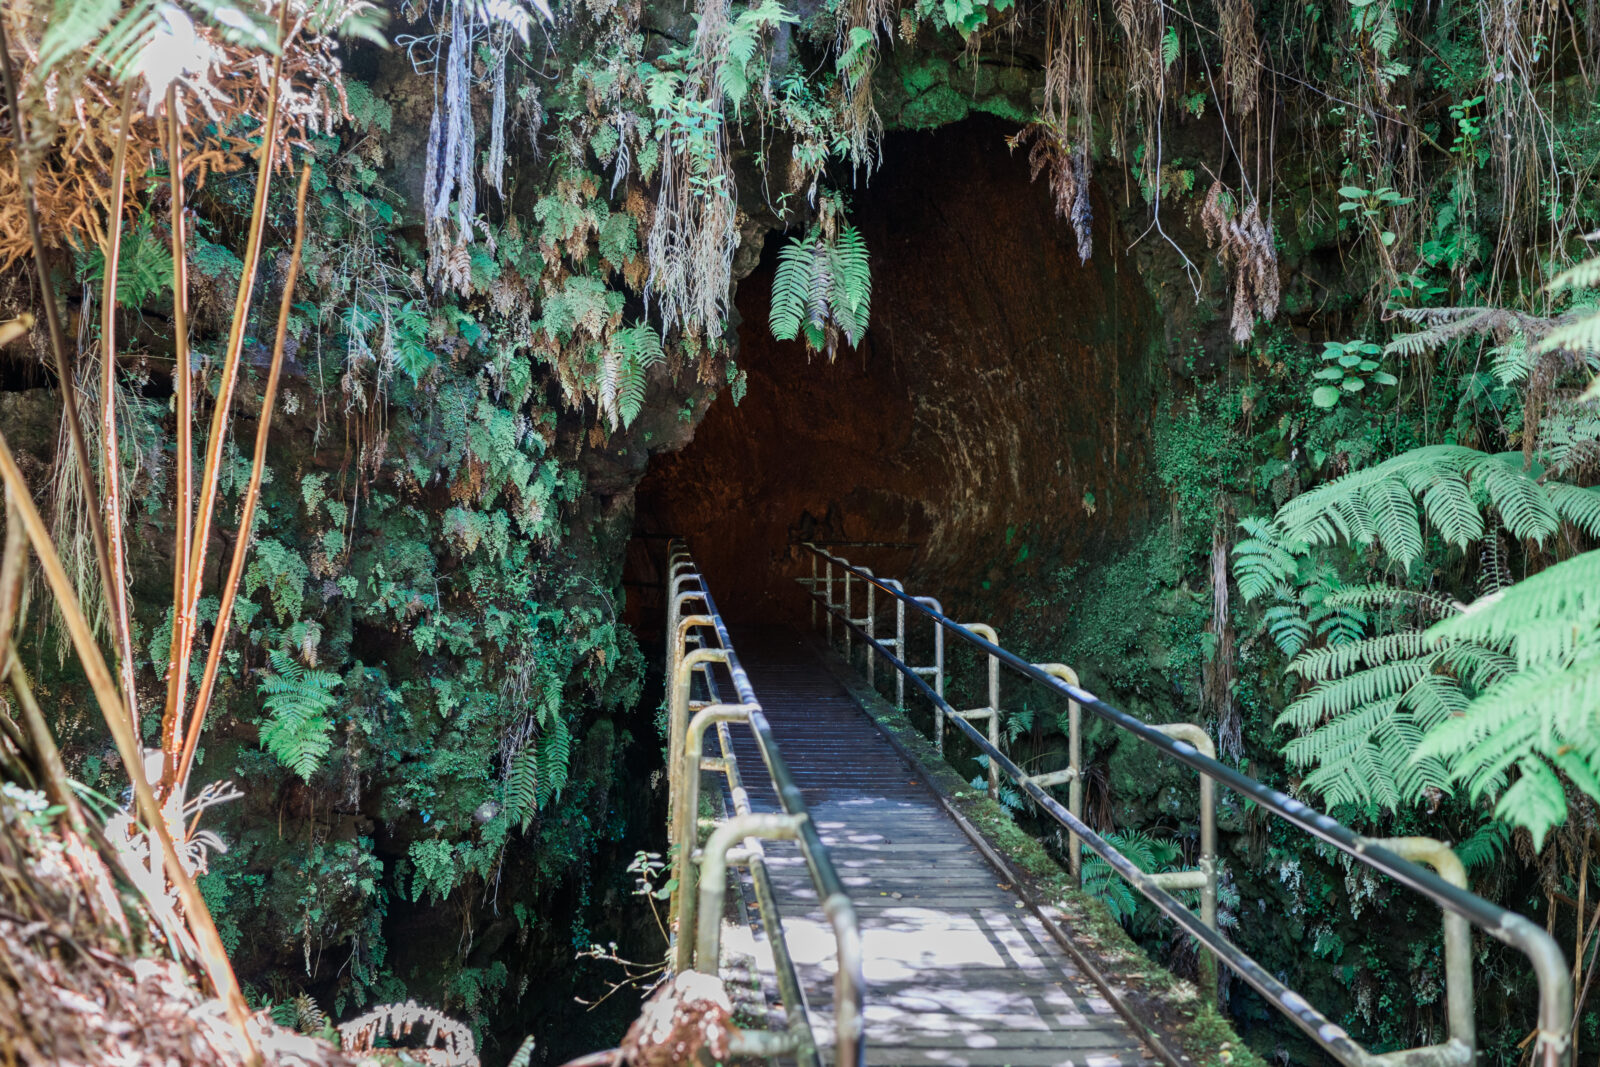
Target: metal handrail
1549, 964
696, 910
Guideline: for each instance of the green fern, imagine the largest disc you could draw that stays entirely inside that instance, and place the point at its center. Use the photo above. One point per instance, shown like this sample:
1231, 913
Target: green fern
144, 267
625, 373
734, 70
1542, 716
1265, 559
522, 786
823, 287
297, 729
555, 758
1449, 485
1149, 854
524, 1054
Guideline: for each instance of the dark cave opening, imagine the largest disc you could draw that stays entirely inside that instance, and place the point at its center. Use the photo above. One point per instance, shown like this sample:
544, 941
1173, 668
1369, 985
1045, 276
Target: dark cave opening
992, 425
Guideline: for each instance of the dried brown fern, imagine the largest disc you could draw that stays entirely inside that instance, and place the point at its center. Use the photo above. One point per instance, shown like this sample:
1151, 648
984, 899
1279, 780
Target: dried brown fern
74, 109
1244, 244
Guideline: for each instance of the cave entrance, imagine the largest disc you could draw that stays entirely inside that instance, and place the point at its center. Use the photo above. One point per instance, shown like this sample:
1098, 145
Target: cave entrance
992, 425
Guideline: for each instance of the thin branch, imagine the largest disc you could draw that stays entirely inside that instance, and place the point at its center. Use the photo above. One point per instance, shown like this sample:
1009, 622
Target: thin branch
241, 543
117, 591
183, 507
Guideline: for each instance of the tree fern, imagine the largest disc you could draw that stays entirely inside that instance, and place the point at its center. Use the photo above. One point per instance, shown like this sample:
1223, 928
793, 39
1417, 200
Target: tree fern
297, 728
1452, 485
1542, 717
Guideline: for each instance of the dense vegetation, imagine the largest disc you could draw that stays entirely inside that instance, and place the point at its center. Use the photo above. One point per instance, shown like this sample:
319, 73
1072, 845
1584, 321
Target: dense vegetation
1376, 439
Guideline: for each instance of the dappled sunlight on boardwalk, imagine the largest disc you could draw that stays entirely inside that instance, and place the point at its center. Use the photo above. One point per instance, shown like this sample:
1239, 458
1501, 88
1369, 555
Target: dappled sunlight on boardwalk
958, 971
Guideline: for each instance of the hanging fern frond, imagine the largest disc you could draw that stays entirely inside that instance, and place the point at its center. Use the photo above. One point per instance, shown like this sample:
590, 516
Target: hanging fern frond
822, 288
555, 758
522, 787
624, 373
297, 729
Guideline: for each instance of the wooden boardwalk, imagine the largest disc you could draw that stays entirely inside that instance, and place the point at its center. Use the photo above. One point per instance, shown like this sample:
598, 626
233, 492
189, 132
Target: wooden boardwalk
958, 971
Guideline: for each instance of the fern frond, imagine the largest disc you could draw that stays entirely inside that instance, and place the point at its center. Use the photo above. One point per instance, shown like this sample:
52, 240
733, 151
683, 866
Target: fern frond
522, 787
1585, 275
1486, 845
1543, 618
1324, 663
791, 290
1523, 503
555, 757
1288, 628
1387, 681
1264, 559
297, 728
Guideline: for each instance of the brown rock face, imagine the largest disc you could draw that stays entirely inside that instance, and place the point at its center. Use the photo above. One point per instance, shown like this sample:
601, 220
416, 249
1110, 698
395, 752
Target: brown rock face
993, 423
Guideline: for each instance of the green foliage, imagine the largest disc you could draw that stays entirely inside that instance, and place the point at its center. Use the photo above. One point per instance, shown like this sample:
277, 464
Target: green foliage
144, 264
1351, 369
297, 729
1150, 854
1540, 714
278, 569
736, 66
823, 287
1452, 484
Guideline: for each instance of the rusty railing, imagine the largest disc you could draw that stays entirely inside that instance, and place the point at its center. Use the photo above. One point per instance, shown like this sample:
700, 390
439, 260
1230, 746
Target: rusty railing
830, 587
698, 650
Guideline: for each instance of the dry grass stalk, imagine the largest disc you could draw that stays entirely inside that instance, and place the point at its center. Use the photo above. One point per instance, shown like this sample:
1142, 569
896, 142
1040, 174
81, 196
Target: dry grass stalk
213, 957
58, 343
185, 628
110, 454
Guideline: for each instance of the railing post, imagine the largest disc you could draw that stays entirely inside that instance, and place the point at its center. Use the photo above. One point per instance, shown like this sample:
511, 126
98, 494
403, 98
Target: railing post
937, 670
1457, 934
687, 810
847, 649
714, 878
1196, 736
899, 650
681, 830
829, 566
1073, 775
813, 588
872, 636
992, 712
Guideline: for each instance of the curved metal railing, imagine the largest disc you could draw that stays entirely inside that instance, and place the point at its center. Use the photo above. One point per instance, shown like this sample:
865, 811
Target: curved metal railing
1397, 858
698, 642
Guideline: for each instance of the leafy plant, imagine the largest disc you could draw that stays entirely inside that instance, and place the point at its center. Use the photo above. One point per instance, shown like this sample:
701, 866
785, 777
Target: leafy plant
1351, 368
823, 288
298, 729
